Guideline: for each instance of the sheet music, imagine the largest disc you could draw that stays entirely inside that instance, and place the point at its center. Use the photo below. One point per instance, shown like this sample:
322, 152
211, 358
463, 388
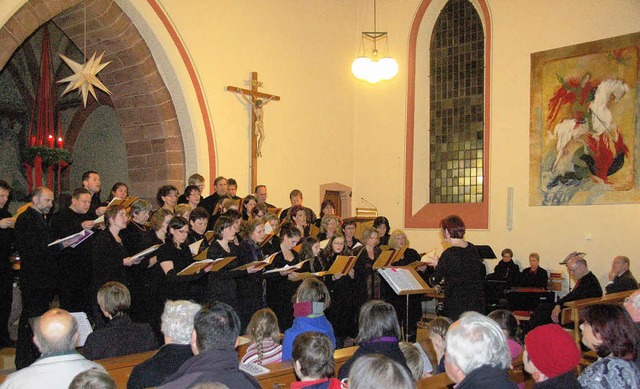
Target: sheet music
84, 327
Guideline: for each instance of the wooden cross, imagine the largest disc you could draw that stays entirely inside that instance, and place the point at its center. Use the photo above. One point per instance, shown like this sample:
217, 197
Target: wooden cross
254, 97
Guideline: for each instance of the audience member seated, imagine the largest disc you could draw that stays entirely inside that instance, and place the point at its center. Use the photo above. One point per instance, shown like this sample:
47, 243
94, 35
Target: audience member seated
311, 299
313, 362
265, 338
414, 359
378, 333
534, 276
120, 336
438, 328
177, 326
93, 379
586, 286
55, 335
477, 355
632, 305
620, 277
609, 331
378, 371
215, 334
506, 270
509, 325
550, 355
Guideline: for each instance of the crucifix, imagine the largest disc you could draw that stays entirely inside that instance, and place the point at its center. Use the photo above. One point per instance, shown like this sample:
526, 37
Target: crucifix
257, 100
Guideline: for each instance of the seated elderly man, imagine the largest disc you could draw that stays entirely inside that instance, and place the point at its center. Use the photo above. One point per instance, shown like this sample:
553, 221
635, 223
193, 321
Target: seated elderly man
177, 326
55, 335
477, 355
620, 277
213, 341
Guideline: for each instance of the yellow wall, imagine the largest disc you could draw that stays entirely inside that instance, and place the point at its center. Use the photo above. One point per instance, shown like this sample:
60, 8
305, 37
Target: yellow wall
331, 128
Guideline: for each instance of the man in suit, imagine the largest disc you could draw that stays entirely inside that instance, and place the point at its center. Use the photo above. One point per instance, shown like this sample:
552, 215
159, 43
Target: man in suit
586, 286
620, 277
209, 203
261, 194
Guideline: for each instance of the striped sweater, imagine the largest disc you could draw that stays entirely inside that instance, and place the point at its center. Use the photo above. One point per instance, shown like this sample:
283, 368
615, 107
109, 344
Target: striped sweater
271, 352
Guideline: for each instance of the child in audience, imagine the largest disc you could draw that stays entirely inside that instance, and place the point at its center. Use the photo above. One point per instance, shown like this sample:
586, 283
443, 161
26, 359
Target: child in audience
376, 371
414, 359
313, 361
509, 325
438, 328
311, 299
265, 334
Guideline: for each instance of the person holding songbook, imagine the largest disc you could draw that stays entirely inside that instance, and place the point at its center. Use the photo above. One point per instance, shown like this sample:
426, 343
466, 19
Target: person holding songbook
311, 253
248, 204
192, 195
349, 230
167, 197
119, 190
221, 285
249, 283
367, 281
399, 242
280, 288
137, 227
342, 312
198, 220
329, 226
272, 244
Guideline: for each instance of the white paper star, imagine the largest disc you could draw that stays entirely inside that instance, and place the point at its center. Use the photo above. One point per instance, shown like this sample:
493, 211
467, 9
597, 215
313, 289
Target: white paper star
85, 77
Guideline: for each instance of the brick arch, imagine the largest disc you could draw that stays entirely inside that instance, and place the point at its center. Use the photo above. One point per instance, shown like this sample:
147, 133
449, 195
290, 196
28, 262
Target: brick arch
143, 104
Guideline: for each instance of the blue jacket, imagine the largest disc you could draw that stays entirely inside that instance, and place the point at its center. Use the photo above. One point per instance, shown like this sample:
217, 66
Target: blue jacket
302, 325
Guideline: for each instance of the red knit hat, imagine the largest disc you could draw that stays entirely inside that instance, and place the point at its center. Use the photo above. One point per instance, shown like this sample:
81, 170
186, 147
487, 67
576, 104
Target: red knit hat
552, 350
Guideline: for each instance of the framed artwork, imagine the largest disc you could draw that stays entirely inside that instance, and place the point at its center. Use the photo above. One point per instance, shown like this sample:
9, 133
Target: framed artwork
584, 139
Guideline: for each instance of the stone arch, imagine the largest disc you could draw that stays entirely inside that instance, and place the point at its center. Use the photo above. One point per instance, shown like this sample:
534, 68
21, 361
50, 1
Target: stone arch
143, 104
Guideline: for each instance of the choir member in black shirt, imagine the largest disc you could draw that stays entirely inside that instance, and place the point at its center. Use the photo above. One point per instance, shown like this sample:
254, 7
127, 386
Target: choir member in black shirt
221, 284
76, 274
349, 230
367, 281
381, 225
250, 282
342, 312
6, 273
167, 197
209, 203
329, 227
196, 180
119, 190
137, 227
198, 220
192, 195
534, 276
295, 196
326, 208
91, 181
272, 244
280, 288
248, 204
298, 218
506, 270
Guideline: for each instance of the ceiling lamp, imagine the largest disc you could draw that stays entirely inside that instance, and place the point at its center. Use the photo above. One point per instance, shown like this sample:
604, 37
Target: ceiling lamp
372, 65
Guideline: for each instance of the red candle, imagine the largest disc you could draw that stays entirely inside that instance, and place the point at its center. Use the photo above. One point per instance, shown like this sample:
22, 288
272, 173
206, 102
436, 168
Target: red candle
32, 141
50, 141
60, 143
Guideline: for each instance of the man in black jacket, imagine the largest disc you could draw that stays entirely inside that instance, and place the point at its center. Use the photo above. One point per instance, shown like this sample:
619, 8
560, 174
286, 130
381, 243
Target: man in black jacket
38, 269
620, 277
587, 285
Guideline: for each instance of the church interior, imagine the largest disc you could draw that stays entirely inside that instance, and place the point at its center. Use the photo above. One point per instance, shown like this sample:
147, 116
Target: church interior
170, 114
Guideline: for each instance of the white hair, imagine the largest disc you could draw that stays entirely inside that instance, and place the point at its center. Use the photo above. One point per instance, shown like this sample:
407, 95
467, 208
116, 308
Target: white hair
635, 301
177, 320
477, 341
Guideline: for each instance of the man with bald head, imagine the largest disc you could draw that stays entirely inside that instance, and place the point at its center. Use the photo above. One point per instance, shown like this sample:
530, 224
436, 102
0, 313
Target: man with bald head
586, 286
55, 335
620, 277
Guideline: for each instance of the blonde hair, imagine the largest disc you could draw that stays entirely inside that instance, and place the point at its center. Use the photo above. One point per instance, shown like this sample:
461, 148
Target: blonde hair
263, 326
182, 210
394, 235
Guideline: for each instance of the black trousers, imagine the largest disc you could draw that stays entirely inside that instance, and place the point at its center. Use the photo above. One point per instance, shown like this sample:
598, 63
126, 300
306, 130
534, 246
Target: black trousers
35, 302
6, 298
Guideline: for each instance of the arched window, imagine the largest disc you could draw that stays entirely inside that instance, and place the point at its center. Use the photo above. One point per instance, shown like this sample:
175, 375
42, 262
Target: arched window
448, 114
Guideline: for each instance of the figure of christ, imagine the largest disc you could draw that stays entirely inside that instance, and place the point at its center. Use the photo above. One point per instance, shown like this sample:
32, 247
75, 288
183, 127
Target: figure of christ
259, 114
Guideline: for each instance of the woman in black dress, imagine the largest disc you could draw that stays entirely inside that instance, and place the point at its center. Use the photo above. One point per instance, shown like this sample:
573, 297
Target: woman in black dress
221, 285
342, 312
250, 283
198, 221
280, 287
367, 281
462, 271
137, 227
329, 227
298, 217
381, 224
272, 245
349, 230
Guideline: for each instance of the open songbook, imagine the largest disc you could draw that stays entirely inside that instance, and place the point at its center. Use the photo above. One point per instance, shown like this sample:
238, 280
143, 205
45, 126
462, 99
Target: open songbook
342, 265
126, 203
269, 233
214, 264
146, 251
389, 257
425, 260
75, 239
297, 266
84, 327
404, 280
323, 244
260, 264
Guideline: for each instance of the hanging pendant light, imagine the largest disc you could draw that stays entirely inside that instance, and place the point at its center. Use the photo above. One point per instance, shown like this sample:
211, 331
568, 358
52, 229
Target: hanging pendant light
370, 65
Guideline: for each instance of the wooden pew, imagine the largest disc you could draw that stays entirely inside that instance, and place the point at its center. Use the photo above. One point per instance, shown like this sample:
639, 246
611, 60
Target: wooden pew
571, 312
